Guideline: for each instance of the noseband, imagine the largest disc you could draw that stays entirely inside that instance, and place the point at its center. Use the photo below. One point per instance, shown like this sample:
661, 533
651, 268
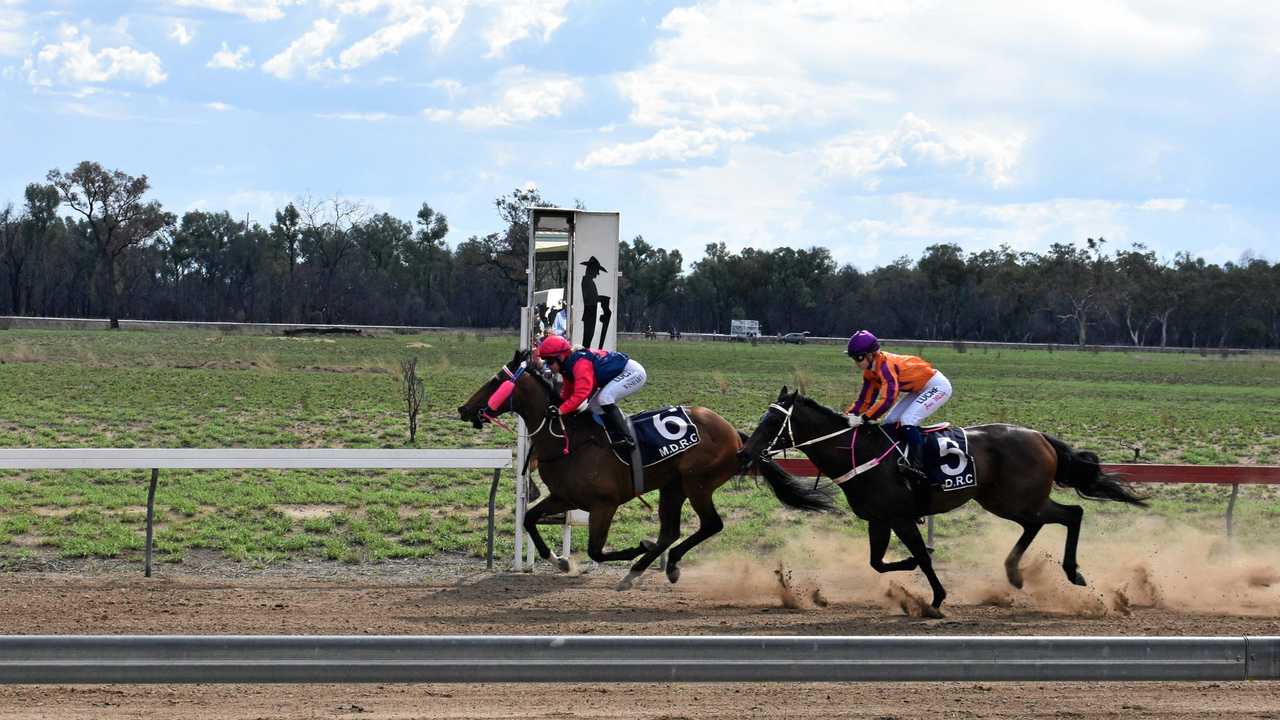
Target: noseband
772, 448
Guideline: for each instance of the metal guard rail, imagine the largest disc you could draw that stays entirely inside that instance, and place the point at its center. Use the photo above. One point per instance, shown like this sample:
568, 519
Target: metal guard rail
389, 659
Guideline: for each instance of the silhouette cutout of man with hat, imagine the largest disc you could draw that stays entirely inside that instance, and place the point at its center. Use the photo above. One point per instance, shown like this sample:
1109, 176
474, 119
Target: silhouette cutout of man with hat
594, 304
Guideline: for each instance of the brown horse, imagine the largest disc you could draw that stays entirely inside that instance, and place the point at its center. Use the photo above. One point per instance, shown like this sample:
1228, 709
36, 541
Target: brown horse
581, 471
1016, 468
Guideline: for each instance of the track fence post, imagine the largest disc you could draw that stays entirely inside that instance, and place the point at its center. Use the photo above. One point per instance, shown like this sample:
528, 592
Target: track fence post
1231, 506
493, 498
151, 511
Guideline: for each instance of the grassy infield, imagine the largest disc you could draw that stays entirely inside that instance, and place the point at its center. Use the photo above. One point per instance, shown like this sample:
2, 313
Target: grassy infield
196, 389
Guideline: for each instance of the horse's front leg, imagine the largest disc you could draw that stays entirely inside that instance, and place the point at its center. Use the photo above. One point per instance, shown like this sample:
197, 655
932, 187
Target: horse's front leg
878, 538
550, 505
909, 534
598, 529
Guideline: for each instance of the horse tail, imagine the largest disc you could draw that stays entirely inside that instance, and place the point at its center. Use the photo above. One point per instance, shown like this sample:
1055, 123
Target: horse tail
1081, 470
792, 491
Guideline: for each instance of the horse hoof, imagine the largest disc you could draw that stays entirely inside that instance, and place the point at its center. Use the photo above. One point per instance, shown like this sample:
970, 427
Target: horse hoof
627, 582
673, 574
932, 612
1078, 579
563, 564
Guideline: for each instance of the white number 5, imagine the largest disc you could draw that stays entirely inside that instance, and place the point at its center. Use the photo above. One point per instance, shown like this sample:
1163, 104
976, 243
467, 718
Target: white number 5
947, 446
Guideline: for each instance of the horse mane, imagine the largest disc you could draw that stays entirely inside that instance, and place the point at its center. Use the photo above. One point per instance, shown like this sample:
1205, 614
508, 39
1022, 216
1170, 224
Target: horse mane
526, 356
814, 404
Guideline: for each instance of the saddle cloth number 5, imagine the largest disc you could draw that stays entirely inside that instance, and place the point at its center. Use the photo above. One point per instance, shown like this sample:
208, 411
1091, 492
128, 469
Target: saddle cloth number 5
948, 447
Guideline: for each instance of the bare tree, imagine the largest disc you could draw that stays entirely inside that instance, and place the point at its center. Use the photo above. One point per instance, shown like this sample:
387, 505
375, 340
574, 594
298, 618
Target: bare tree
414, 393
327, 240
118, 219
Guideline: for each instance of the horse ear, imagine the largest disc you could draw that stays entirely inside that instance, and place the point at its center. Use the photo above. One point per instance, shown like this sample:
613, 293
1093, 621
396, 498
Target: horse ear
782, 394
517, 357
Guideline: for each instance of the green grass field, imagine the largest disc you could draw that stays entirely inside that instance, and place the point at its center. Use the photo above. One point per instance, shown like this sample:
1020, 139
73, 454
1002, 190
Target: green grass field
199, 389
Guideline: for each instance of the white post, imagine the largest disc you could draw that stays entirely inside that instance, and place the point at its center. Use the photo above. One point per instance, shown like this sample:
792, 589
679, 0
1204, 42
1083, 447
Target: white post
522, 482
568, 535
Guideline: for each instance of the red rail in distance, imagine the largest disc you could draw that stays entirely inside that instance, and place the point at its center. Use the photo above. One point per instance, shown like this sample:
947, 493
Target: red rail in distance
1137, 472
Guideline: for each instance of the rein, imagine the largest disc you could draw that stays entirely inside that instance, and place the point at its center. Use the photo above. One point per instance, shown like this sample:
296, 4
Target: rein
786, 425
509, 406
854, 423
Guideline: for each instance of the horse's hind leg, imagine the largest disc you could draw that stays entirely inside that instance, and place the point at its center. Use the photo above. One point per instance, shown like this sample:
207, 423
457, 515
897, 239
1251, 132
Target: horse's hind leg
549, 506
709, 523
909, 534
670, 500
878, 539
1030, 528
1069, 515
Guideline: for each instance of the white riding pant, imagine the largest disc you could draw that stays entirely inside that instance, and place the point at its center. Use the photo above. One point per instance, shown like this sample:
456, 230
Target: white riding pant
631, 379
912, 408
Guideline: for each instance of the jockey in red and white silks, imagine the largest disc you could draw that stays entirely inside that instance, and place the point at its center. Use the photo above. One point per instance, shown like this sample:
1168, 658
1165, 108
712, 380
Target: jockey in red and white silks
600, 376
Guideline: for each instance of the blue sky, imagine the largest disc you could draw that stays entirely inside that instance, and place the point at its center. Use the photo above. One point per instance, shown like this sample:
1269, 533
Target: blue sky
874, 129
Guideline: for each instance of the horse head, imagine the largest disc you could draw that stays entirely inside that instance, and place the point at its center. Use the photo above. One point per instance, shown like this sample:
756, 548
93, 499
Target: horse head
768, 435
473, 410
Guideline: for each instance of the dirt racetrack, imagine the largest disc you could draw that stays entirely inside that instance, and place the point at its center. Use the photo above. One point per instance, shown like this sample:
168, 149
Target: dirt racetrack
731, 596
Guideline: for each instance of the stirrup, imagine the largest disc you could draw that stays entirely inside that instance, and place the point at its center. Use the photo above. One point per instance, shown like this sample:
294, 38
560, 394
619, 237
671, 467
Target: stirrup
911, 470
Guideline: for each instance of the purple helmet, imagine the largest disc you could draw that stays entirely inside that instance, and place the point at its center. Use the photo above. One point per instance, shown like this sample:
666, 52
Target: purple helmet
862, 343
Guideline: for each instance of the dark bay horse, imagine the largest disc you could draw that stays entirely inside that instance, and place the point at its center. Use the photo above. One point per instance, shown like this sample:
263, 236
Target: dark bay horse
1016, 468
581, 472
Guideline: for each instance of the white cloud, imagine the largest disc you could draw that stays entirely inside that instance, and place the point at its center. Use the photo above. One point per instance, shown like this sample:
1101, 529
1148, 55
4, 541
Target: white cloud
676, 144
518, 18
256, 10
218, 106
1164, 204
437, 114
303, 53
524, 99
13, 36
228, 59
73, 62
916, 143
180, 33
390, 38
356, 116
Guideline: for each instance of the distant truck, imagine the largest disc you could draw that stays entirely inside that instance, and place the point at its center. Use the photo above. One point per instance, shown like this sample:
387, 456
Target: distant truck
744, 330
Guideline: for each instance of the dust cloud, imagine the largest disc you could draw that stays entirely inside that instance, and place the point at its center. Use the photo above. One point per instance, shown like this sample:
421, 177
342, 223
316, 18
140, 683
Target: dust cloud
1150, 562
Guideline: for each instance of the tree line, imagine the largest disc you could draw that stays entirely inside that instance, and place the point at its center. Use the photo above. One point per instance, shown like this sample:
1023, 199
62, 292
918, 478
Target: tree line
88, 243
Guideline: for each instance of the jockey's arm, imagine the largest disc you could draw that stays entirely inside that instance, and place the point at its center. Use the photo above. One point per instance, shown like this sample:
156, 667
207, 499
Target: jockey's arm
584, 380
888, 392
864, 396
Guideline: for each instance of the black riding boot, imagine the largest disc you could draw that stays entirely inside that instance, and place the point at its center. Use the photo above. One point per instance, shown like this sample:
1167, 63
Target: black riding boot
912, 463
616, 425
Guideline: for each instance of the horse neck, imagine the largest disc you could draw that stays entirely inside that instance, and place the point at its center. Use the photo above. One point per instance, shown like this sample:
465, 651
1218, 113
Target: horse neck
832, 456
530, 401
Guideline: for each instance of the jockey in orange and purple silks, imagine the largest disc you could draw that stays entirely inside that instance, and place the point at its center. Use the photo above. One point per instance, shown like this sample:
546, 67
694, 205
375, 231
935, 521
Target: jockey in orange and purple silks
900, 389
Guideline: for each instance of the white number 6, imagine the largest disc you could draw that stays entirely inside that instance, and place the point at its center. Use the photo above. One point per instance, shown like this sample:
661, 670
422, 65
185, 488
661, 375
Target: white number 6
661, 424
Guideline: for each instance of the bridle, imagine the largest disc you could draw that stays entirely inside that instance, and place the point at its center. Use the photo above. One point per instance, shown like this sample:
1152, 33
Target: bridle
509, 406
771, 448
855, 422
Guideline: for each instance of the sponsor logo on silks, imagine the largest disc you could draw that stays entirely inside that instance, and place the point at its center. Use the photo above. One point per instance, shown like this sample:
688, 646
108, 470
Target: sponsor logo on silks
675, 447
924, 396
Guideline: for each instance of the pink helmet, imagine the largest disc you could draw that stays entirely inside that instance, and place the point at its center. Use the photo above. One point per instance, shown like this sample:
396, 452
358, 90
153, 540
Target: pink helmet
863, 343
554, 346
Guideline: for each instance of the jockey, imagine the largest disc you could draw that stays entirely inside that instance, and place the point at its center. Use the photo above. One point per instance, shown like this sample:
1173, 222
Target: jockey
901, 389
586, 371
